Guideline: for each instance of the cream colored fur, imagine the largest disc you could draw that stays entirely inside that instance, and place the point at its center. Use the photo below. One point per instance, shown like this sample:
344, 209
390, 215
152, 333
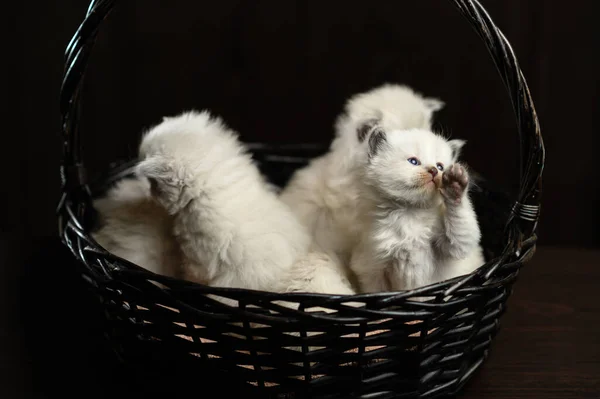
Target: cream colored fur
326, 195
422, 228
134, 227
232, 228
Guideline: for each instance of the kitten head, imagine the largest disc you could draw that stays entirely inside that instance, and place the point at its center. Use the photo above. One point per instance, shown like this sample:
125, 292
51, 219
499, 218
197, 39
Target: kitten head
391, 106
407, 165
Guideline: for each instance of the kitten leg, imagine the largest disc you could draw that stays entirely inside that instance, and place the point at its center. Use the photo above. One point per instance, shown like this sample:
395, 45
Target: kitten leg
319, 272
461, 231
369, 271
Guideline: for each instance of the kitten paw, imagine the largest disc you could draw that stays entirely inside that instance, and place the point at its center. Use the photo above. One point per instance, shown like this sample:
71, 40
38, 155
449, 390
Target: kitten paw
166, 185
454, 184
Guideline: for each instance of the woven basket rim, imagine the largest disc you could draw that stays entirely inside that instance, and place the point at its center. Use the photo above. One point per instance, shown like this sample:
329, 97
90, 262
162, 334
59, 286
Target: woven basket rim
445, 338
521, 226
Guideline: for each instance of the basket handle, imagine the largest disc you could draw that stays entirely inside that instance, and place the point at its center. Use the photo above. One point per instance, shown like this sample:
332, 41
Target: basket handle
526, 209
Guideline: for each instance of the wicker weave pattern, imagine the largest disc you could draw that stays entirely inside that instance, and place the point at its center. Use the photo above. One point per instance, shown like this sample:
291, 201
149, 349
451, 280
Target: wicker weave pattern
420, 343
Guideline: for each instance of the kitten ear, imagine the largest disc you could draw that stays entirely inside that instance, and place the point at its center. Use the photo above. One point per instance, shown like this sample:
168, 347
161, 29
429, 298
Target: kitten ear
456, 146
377, 141
434, 104
365, 127
165, 186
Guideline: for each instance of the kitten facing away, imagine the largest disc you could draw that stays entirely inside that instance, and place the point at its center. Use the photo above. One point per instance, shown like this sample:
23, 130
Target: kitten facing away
325, 195
422, 227
135, 227
232, 228
198, 190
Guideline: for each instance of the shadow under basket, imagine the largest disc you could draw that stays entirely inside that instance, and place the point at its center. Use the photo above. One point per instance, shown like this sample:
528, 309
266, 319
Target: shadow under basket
394, 345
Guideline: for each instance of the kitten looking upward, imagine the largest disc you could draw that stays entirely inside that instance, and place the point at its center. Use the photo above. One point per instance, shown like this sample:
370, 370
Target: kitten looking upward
423, 228
326, 195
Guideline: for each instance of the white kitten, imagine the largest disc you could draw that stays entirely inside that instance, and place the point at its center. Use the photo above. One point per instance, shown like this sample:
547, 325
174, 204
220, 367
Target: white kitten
423, 228
325, 195
134, 227
233, 229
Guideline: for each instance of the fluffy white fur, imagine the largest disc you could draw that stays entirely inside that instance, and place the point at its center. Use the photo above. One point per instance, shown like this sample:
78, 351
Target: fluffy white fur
320, 273
325, 195
422, 228
232, 228
134, 227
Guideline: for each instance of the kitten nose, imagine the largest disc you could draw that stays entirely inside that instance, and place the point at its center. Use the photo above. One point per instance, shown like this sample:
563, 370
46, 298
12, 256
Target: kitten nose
433, 170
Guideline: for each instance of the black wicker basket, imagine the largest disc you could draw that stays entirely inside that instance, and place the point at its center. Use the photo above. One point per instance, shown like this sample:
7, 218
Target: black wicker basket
392, 346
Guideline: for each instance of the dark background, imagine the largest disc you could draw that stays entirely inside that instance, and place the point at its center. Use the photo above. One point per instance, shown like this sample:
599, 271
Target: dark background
276, 71
281, 70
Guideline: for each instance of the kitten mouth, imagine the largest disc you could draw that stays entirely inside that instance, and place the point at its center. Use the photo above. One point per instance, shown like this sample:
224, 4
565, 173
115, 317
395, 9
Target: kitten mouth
432, 183
429, 186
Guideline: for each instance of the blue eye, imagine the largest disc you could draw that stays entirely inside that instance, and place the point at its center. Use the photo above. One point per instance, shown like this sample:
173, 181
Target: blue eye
440, 167
414, 161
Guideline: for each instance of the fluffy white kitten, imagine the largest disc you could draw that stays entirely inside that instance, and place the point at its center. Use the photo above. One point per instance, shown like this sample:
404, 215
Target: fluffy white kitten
136, 228
423, 228
232, 228
325, 195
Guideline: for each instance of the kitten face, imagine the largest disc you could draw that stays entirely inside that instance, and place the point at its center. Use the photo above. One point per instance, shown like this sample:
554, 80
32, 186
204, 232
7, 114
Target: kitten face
408, 165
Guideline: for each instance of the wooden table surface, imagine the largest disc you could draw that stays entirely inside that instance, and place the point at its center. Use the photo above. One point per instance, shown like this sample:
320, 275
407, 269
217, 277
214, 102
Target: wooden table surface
549, 345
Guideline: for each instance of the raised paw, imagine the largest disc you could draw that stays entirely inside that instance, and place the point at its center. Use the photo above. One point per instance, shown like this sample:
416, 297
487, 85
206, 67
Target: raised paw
454, 183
